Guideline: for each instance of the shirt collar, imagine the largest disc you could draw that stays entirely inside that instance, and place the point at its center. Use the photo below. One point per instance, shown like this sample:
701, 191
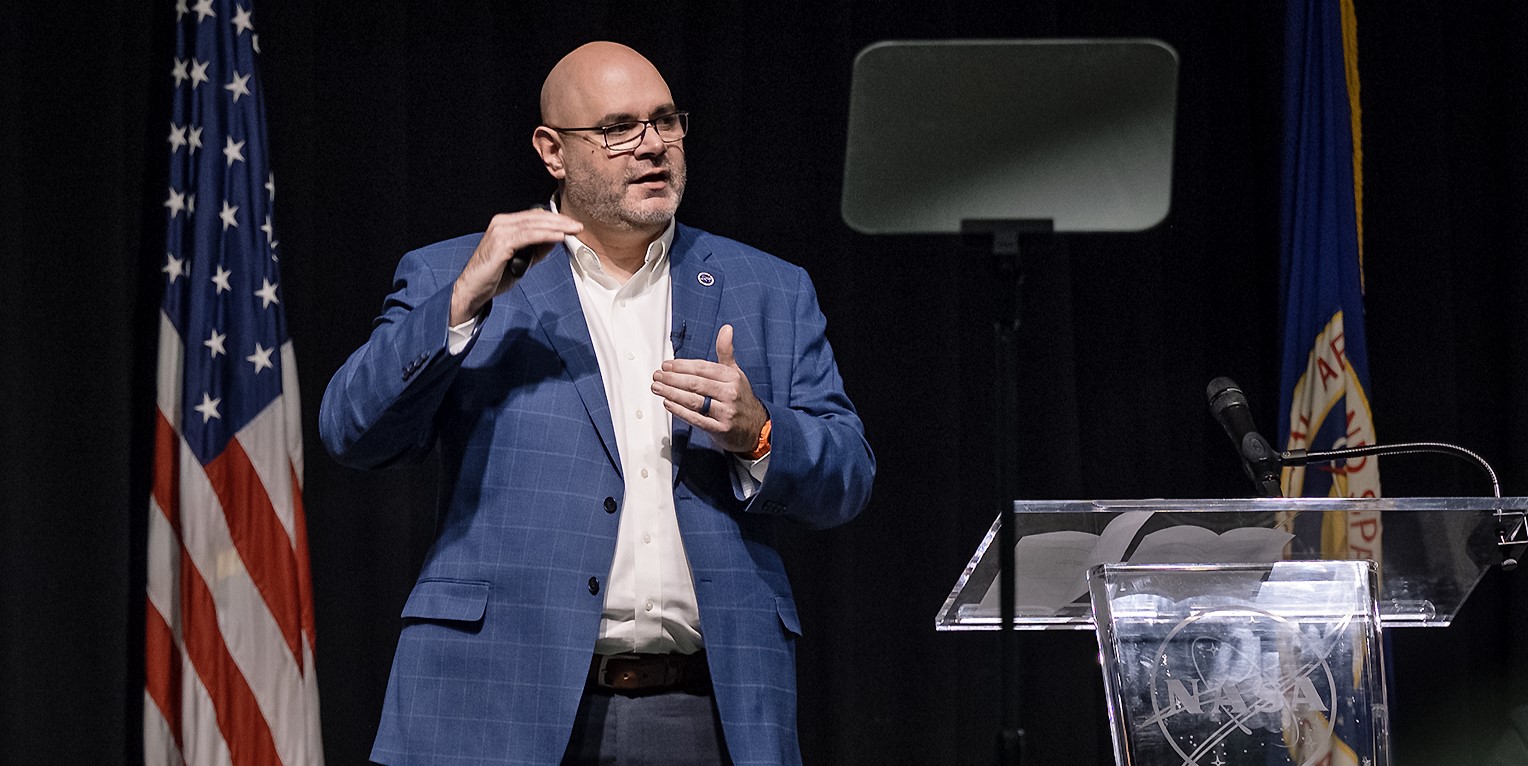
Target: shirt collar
586, 263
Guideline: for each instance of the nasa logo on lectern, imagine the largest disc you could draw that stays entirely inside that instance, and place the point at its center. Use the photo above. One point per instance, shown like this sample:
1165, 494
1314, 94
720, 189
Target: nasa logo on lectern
1227, 679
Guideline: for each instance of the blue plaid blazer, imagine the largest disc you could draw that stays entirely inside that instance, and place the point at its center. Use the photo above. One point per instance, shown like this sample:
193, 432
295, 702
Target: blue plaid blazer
500, 627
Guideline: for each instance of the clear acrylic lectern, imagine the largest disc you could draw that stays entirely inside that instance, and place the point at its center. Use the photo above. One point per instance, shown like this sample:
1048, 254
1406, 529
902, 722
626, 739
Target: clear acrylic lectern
1239, 631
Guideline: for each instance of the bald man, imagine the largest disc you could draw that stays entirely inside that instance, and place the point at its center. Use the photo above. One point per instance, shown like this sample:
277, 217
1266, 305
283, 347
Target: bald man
627, 410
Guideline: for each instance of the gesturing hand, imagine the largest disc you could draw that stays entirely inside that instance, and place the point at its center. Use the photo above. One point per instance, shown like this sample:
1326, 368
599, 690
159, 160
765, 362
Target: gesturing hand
713, 396
485, 276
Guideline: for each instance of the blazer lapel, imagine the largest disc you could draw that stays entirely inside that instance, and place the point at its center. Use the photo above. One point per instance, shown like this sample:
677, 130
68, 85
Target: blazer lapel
697, 293
553, 297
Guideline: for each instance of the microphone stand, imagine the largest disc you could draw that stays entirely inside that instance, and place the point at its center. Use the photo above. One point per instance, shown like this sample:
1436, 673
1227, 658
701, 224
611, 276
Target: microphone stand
1300, 457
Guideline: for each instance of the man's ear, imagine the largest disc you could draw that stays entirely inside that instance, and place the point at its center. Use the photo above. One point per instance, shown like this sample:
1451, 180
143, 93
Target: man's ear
549, 145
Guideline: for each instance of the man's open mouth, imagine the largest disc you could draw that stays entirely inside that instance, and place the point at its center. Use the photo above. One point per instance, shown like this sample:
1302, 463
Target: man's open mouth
652, 177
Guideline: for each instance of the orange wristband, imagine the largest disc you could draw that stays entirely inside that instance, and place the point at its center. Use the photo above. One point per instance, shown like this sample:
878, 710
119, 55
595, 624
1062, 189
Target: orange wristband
762, 448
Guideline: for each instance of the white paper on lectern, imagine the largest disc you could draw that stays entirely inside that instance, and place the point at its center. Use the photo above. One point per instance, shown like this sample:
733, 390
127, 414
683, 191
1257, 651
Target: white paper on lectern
1196, 545
1051, 567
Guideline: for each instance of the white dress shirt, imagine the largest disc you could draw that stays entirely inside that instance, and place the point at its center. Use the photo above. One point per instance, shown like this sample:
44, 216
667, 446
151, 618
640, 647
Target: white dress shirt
650, 599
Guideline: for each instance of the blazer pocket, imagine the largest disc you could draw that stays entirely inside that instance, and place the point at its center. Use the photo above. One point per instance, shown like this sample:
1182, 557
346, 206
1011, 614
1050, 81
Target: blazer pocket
456, 600
786, 607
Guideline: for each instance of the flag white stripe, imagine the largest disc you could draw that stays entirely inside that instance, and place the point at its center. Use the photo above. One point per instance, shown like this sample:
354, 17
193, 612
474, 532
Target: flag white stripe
199, 732
292, 405
170, 365
164, 568
312, 747
158, 743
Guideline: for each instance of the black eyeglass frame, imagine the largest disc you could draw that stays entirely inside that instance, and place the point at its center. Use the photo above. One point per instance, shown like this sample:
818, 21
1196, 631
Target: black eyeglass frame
603, 130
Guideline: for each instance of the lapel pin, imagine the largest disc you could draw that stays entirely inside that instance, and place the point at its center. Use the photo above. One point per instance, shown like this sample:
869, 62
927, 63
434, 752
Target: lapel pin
705, 279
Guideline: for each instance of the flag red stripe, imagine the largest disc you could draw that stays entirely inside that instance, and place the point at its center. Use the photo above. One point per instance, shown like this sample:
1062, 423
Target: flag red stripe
166, 488
261, 540
243, 726
162, 666
304, 572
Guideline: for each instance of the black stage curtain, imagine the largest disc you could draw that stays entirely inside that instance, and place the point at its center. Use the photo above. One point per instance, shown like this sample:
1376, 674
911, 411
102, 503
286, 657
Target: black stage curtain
395, 124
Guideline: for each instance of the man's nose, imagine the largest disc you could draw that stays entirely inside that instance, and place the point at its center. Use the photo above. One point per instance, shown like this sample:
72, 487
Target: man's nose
650, 144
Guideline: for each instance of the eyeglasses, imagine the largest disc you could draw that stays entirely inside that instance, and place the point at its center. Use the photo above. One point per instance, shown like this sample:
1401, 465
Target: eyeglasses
628, 134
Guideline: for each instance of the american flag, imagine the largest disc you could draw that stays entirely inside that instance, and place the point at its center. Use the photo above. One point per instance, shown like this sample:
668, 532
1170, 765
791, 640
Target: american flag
229, 641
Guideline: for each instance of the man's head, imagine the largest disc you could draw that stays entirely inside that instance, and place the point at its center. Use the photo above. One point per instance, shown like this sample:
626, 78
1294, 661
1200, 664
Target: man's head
627, 188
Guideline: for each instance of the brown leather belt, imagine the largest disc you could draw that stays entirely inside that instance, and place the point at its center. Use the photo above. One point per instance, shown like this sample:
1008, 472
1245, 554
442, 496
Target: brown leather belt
649, 673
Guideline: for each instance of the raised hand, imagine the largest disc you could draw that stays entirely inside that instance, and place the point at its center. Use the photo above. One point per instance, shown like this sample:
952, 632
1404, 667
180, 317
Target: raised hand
713, 396
489, 273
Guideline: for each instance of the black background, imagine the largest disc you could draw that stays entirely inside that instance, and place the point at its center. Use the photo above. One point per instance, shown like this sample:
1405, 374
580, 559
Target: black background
394, 125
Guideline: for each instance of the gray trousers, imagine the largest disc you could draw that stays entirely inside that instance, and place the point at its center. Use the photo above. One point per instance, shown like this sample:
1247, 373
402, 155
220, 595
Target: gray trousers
677, 728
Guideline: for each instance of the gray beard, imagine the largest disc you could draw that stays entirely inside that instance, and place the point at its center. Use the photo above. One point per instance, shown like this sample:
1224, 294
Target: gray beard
605, 205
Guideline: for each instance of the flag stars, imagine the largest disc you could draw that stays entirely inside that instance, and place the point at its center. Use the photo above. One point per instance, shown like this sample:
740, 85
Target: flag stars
266, 293
234, 151
261, 358
175, 267
176, 203
209, 407
215, 343
199, 72
238, 86
241, 21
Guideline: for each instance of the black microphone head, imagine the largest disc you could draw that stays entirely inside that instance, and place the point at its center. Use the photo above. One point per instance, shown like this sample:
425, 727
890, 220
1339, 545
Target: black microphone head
1222, 393
1229, 406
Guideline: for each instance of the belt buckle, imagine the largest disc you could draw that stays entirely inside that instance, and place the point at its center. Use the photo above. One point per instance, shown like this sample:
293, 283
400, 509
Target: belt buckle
603, 677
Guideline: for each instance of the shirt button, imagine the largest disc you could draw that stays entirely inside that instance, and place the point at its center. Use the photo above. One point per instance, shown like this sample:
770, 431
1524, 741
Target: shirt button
639, 414
594, 586
621, 303
644, 473
630, 355
648, 606
646, 538
609, 507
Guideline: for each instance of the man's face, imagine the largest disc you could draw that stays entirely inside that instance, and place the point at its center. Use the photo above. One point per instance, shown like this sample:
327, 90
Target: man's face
632, 188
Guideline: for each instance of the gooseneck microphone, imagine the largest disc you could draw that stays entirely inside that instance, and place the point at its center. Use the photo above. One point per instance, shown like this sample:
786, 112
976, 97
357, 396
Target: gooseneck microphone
1229, 406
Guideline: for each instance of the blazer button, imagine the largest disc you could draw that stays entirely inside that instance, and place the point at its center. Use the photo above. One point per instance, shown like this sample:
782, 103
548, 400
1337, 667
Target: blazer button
594, 586
609, 508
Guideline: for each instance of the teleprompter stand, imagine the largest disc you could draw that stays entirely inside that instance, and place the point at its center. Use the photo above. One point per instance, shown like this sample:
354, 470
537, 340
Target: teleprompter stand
1001, 141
